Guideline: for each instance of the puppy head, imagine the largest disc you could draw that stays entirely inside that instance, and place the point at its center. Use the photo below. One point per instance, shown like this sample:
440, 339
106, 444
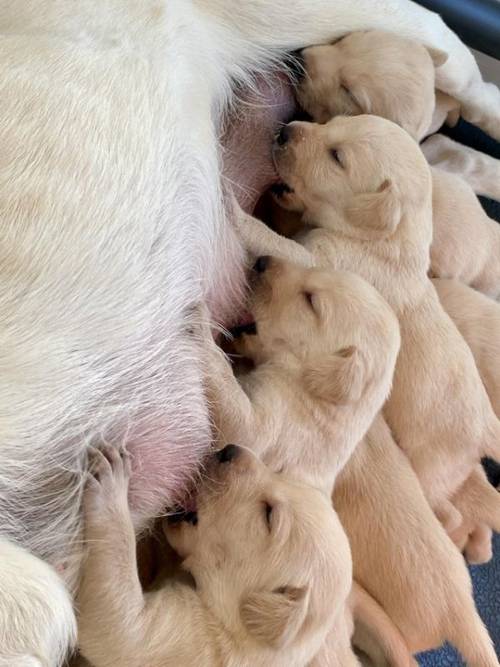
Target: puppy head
332, 327
268, 555
356, 175
371, 72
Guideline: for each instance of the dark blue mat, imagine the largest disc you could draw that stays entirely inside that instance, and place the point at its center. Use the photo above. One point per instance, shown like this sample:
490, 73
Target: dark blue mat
486, 578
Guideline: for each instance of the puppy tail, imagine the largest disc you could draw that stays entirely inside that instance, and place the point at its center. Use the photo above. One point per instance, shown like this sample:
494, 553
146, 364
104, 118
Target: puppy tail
37, 623
375, 634
469, 635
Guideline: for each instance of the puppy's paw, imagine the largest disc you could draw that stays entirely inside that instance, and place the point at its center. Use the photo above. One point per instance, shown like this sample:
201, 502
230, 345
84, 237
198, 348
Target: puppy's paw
107, 483
478, 549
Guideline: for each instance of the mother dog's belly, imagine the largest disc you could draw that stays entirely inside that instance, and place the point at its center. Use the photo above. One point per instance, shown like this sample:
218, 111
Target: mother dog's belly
110, 231
107, 212
248, 139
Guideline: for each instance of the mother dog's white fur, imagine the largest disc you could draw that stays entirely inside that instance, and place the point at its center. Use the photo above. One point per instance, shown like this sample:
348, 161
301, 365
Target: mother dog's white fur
110, 171
25, 584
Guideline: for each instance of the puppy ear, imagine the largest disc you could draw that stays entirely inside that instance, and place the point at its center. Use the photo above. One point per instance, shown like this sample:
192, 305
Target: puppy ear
438, 57
274, 618
375, 214
341, 379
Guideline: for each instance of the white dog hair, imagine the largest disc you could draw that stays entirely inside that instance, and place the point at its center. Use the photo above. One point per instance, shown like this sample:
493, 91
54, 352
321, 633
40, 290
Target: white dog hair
112, 226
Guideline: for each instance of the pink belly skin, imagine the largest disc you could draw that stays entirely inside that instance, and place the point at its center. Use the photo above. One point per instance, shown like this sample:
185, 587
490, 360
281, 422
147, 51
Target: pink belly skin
247, 141
248, 168
162, 471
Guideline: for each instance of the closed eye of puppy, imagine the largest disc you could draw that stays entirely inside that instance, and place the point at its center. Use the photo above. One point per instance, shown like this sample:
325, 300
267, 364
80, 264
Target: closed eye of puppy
373, 72
269, 558
365, 184
324, 345
393, 77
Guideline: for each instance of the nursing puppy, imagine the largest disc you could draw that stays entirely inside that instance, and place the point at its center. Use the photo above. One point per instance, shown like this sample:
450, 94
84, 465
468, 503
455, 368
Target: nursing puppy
388, 75
481, 171
382, 74
374, 72
365, 184
324, 345
269, 559
113, 168
402, 555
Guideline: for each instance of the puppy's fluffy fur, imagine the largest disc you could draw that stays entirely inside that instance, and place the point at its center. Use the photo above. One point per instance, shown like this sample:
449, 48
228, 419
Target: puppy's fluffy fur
324, 354
109, 130
372, 72
392, 77
478, 320
366, 185
402, 555
269, 559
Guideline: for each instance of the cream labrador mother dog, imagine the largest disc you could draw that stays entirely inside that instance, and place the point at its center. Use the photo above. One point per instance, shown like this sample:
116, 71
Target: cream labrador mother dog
110, 116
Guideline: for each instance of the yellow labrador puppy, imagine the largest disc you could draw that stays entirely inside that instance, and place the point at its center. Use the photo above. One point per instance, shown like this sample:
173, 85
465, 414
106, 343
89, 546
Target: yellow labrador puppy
402, 555
478, 320
382, 74
324, 345
378, 73
365, 185
269, 559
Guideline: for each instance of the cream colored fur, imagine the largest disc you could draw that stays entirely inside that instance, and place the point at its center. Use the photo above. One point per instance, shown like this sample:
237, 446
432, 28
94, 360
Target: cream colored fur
389, 76
366, 186
325, 347
478, 320
325, 350
269, 559
402, 555
111, 170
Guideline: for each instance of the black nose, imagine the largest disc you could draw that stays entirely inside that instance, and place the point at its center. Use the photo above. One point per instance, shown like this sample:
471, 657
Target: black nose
284, 135
228, 454
181, 515
261, 264
249, 329
296, 65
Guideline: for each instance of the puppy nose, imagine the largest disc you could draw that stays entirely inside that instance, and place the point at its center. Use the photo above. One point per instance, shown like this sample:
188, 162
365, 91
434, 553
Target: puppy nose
261, 264
297, 62
228, 454
284, 135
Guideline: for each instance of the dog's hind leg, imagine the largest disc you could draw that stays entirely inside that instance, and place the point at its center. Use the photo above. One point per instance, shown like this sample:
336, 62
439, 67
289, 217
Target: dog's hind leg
481, 171
37, 624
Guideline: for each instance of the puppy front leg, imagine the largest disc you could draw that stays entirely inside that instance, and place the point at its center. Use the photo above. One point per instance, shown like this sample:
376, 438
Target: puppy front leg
110, 600
232, 409
260, 240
